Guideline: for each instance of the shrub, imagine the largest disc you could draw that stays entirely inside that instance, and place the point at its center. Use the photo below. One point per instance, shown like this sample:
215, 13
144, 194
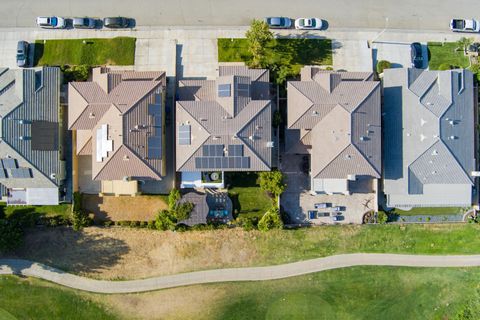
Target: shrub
107, 223
270, 220
183, 211
75, 73
382, 65
277, 118
475, 68
80, 219
272, 181
151, 224
11, 235
173, 198
248, 223
382, 217
446, 66
165, 220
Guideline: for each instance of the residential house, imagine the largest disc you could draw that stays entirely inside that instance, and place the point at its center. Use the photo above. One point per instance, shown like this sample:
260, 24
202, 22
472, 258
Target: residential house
223, 125
429, 128
118, 124
32, 166
334, 117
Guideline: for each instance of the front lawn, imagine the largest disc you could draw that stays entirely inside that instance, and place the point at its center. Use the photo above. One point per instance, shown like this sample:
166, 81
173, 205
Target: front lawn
35, 299
247, 197
63, 210
92, 52
430, 211
293, 54
446, 54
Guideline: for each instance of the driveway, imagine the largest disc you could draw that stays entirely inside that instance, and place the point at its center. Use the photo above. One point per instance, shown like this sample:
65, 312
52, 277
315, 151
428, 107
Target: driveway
38, 270
398, 53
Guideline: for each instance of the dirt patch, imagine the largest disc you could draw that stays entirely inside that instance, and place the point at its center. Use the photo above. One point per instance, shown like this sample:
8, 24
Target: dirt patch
179, 303
124, 253
139, 208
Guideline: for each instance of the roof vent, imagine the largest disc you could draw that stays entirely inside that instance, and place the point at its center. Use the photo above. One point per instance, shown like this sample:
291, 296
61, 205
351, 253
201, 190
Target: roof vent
348, 157
435, 153
203, 119
216, 137
422, 122
187, 122
252, 137
314, 113
453, 137
258, 127
126, 179
362, 138
452, 123
429, 103
24, 138
126, 158
91, 115
53, 176
434, 172
22, 121
270, 144
234, 137
136, 127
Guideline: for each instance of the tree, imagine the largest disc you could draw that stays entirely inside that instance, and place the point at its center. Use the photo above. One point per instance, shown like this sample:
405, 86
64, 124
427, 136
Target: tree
464, 42
173, 198
270, 220
11, 235
475, 68
165, 220
258, 36
272, 181
382, 65
277, 118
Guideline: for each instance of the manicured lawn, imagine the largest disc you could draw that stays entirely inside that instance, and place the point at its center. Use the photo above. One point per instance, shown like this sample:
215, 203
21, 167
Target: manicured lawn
247, 197
63, 210
350, 293
290, 53
445, 54
36, 299
115, 51
430, 211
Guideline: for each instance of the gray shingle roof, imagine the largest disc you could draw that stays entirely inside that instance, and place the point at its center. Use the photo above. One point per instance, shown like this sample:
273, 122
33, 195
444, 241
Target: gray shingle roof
30, 103
225, 119
339, 115
429, 137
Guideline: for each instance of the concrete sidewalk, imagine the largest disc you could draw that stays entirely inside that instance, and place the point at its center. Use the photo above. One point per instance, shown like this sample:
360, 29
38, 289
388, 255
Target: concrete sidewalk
32, 269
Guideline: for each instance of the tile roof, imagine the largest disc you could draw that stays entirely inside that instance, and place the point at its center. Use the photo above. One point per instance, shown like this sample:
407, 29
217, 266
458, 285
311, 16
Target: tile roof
429, 136
338, 115
131, 105
234, 117
30, 103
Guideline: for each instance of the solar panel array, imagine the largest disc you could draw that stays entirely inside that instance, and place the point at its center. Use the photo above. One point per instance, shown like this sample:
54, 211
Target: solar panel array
154, 143
20, 173
184, 134
224, 90
222, 162
154, 147
213, 150
243, 89
235, 150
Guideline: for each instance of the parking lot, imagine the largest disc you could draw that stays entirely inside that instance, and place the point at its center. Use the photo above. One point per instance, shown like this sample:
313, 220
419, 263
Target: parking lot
297, 200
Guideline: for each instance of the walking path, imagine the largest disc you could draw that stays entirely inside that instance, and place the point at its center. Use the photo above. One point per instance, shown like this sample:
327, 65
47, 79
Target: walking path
38, 270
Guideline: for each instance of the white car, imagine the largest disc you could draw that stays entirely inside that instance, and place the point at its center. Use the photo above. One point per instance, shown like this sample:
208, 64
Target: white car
51, 22
308, 24
464, 25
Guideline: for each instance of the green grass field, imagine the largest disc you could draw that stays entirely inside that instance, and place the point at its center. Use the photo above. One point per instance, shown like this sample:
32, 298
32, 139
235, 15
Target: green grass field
115, 51
63, 210
291, 54
430, 211
350, 293
247, 197
445, 55
35, 299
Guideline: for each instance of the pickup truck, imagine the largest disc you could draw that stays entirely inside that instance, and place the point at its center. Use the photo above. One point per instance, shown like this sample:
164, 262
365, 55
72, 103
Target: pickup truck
465, 25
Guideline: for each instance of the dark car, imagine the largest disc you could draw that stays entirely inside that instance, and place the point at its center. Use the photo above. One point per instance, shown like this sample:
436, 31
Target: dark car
22, 53
278, 22
115, 22
417, 55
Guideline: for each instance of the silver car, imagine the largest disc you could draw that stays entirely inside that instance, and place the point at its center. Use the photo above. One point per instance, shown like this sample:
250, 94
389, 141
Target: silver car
22, 54
278, 22
84, 23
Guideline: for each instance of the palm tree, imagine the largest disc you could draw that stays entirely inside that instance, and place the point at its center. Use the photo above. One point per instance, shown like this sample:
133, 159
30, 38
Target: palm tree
464, 43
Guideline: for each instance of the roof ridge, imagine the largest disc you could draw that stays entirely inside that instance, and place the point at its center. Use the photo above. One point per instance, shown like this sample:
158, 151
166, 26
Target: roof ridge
147, 92
333, 159
376, 87
453, 156
306, 110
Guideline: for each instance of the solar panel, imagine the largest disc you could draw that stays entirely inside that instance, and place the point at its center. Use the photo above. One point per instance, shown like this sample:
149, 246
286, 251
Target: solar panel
235, 150
184, 135
206, 150
198, 163
218, 162
154, 147
245, 162
9, 163
20, 173
204, 162
224, 90
225, 163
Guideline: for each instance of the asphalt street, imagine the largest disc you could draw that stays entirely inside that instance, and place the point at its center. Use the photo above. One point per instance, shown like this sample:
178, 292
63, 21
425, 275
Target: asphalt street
406, 14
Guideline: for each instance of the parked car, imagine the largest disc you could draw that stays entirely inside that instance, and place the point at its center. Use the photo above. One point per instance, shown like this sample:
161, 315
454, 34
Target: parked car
84, 23
464, 25
51, 22
22, 53
278, 22
338, 208
312, 214
417, 55
308, 24
115, 22
321, 205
